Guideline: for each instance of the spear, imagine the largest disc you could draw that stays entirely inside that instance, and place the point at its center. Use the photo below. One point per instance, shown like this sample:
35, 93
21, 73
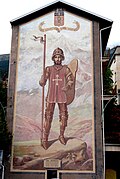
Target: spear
43, 89
42, 40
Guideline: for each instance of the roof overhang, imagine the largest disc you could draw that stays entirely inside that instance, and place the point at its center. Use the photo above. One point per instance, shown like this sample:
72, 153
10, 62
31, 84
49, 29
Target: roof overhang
103, 22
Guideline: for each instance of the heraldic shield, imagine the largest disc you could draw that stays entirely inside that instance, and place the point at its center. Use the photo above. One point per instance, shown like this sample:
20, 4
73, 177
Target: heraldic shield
73, 65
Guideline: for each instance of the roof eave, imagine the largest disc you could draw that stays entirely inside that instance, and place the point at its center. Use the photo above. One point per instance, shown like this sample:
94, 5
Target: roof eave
103, 22
61, 4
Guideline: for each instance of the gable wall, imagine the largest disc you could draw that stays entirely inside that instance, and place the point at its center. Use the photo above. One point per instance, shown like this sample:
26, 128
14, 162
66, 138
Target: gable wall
97, 109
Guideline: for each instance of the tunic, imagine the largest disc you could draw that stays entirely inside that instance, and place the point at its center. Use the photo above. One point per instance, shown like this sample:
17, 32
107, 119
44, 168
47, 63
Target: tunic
58, 78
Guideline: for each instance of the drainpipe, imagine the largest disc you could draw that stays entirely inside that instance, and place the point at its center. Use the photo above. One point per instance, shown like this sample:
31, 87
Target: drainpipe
102, 116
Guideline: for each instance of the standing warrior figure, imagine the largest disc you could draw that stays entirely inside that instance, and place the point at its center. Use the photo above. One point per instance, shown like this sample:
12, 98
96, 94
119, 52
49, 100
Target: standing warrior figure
60, 80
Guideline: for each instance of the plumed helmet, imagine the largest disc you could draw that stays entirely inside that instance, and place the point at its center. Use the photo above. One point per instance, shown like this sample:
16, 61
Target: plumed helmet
58, 51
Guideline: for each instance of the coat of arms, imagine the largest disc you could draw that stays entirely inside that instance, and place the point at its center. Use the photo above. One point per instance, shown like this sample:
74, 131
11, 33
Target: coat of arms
59, 23
59, 17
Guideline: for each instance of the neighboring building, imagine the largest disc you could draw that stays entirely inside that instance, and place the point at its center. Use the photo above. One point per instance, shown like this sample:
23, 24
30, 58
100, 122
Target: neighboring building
112, 115
114, 64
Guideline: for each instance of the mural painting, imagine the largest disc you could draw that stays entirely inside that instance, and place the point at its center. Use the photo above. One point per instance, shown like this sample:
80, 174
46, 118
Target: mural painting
54, 99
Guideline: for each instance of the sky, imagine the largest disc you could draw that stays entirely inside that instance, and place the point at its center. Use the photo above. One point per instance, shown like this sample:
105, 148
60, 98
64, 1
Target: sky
13, 9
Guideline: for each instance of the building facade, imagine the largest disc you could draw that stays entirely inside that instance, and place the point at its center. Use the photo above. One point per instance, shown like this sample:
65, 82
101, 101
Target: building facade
80, 37
112, 119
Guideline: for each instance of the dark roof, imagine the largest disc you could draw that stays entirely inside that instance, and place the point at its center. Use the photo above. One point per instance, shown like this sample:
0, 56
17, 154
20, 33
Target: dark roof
113, 52
103, 22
